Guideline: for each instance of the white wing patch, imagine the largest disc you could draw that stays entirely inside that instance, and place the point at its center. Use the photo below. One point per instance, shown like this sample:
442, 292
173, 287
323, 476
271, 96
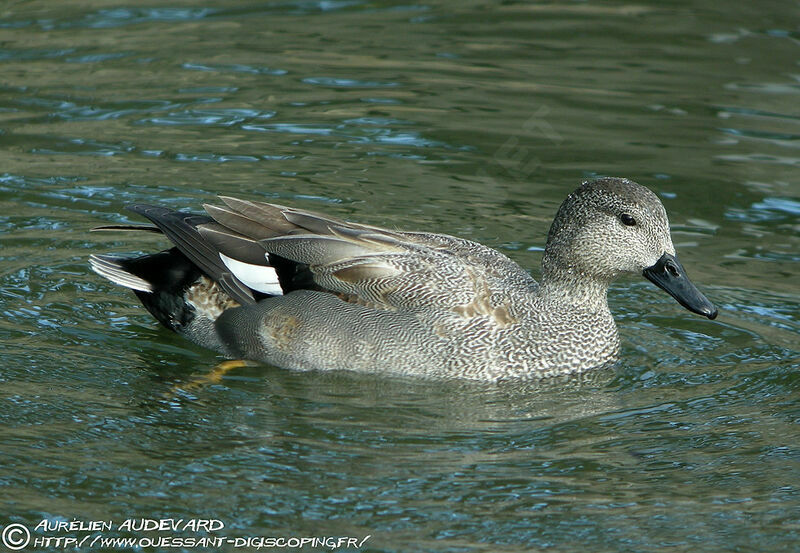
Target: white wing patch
261, 278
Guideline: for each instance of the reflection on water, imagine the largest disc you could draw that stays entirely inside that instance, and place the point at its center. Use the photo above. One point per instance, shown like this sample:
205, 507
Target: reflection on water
452, 117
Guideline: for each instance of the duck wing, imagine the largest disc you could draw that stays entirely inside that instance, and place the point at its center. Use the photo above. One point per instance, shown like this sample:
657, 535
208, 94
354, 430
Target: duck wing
181, 229
382, 268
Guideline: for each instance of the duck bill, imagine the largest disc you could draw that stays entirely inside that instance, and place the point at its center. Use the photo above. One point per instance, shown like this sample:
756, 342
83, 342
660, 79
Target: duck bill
669, 275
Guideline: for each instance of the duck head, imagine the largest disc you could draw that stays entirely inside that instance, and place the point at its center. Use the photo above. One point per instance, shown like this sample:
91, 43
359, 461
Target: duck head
612, 226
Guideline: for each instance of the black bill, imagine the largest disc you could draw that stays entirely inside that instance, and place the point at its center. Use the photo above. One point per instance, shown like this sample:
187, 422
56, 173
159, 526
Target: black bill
669, 275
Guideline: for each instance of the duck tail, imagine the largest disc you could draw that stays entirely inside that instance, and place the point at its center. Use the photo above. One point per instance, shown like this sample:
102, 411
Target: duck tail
159, 280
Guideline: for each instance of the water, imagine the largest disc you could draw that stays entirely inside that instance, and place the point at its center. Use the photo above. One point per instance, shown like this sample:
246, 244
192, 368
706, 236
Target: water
463, 117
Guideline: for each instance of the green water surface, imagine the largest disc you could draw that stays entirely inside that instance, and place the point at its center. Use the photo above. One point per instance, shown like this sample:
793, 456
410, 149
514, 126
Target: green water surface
471, 118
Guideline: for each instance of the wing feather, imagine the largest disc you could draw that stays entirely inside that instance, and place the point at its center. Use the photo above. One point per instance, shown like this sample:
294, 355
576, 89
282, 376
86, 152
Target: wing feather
180, 229
379, 267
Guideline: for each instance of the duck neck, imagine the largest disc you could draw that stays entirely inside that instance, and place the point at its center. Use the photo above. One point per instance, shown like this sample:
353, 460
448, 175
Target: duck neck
568, 286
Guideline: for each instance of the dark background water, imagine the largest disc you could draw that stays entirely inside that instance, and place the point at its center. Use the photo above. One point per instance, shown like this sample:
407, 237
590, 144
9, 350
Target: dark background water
469, 118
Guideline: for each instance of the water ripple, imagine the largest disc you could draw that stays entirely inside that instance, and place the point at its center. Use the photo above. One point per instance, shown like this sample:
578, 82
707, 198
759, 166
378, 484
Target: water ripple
96, 111
88, 147
766, 135
7, 54
356, 131
95, 58
760, 158
729, 111
768, 88
215, 158
768, 209
221, 117
335, 82
119, 17
233, 68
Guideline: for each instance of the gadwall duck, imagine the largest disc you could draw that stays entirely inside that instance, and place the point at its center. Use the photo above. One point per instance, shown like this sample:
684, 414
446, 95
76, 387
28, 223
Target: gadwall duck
301, 290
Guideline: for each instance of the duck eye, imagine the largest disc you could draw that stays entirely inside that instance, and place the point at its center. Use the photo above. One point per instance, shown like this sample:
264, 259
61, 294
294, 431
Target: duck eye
627, 219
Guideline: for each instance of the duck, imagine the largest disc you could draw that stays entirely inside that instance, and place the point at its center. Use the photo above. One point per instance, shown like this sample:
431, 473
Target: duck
301, 290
